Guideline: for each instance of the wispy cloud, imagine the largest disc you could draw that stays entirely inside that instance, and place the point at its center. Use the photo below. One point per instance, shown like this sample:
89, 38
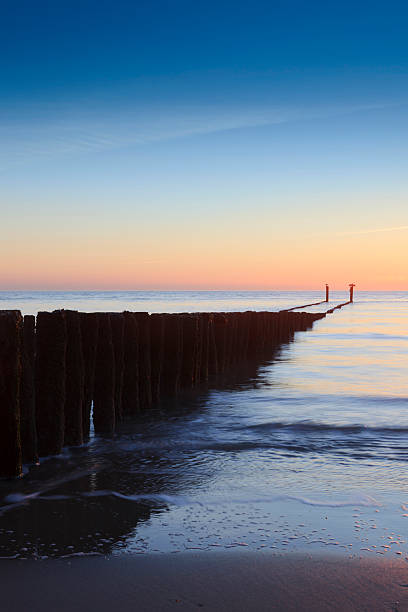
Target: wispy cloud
397, 228
76, 135
72, 137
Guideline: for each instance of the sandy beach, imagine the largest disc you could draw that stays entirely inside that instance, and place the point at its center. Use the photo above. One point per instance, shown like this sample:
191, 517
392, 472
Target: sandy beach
212, 581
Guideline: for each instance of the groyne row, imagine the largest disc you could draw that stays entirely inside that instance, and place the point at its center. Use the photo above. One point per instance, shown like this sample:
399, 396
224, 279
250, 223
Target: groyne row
58, 368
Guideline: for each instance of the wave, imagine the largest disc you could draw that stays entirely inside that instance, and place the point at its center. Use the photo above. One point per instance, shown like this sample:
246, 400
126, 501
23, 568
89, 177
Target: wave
362, 336
177, 500
17, 499
313, 426
183, 500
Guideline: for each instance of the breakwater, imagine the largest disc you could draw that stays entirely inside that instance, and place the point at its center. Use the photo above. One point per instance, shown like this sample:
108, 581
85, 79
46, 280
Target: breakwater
59, 366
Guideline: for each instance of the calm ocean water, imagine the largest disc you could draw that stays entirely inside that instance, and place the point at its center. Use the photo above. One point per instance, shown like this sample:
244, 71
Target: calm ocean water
30, 302
309, 451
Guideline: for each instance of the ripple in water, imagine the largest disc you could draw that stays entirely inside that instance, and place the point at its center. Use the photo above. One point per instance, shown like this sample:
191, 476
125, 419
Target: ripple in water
309, 452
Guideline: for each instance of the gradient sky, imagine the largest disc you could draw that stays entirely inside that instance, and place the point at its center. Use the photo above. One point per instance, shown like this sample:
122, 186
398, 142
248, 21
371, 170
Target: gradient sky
201, 144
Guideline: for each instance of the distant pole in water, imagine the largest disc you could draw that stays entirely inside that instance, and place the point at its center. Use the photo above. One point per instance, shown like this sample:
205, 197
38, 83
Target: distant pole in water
327, 292
352, 285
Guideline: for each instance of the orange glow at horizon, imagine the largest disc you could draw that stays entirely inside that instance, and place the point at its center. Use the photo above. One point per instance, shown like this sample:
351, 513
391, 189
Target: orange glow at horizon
210, 260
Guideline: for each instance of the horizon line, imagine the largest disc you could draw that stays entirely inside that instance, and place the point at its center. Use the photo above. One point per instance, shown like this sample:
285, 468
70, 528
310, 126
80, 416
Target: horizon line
186, 290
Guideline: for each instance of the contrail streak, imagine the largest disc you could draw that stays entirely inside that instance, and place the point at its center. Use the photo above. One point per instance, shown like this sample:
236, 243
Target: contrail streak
397, 228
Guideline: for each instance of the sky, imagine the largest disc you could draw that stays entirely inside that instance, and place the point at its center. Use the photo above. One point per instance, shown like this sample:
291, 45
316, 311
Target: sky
203, 145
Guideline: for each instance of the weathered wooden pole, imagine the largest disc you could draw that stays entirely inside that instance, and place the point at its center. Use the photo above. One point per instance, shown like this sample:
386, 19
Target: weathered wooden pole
11, 323
145, 384
232, 342
272, 333
241, 337
303, 322
220, 338
261, 333
89, 333
156, 353
27, 393
203, 339
74, 381
327, 292
118, 324
130, 393
252, 336
212, 347
172, 355
104, 392
244, 335
51, 340
198, 350
188, 375
352, 285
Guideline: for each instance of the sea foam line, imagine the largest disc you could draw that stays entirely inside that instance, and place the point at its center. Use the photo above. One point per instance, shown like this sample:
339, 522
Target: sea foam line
18, 499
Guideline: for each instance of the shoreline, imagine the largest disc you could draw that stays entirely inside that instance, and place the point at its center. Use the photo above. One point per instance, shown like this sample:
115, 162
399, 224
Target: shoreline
221, 581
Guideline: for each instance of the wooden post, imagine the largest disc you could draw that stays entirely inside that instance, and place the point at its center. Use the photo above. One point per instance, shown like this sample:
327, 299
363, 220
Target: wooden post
220, 336
327, 292
10, 373
74, 381
104, 393
212, 347
190, 350
145, 383
27, 393
156, 353
233, 340
352, 285
172, 355
117, 324
130, 393
204, 339
50, 381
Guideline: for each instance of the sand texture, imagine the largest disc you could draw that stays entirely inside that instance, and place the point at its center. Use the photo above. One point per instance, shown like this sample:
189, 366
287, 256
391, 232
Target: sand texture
227, 582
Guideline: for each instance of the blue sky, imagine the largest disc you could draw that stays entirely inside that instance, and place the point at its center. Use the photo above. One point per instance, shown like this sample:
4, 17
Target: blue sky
129, 129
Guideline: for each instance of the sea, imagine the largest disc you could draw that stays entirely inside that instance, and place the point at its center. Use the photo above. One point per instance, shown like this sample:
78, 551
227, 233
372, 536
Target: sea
307, 453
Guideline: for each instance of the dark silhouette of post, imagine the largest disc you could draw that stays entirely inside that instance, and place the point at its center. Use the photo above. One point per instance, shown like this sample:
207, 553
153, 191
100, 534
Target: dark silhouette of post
50, 381
28, 428
327, 292
352, 285
11, 329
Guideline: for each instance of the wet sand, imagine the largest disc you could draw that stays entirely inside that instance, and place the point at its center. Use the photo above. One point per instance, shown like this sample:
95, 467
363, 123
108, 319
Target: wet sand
212, 581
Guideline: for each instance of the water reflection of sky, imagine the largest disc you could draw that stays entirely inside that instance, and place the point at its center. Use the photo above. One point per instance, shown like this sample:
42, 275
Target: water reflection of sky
361, 350
306, 452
